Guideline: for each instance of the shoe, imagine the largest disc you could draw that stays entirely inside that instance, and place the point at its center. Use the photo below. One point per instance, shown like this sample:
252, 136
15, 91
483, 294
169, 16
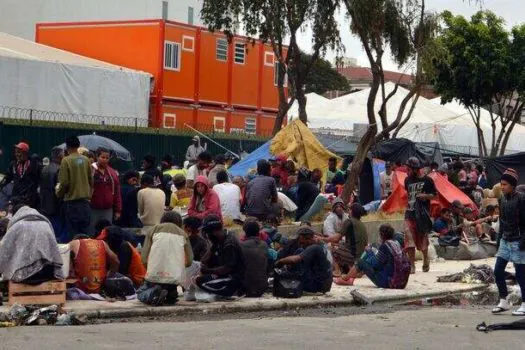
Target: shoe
520, 311
412, 269
503, 306
426, 265
189, 295
344, 282
159, 297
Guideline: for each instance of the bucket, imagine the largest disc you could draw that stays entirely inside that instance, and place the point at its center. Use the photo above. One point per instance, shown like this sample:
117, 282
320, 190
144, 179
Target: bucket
64, 254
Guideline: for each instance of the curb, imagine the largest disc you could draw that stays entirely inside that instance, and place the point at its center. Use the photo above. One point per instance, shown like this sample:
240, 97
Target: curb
274, 305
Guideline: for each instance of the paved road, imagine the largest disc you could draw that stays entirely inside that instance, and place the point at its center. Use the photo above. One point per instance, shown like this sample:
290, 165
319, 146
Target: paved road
423, 328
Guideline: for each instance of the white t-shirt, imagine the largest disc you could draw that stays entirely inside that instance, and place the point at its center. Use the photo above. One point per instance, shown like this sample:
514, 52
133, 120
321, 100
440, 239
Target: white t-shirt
230, 198
193, 172
386, 182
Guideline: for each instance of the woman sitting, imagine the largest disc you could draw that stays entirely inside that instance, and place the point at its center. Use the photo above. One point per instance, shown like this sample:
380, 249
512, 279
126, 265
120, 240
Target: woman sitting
379, 264
204, 201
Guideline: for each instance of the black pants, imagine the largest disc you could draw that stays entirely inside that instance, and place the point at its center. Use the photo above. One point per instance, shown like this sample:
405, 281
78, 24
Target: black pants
499, 273
77, 217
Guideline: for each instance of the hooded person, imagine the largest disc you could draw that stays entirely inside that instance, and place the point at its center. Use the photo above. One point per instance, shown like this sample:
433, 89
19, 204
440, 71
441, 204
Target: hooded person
29, 251
334, 221
204, 201
512, 240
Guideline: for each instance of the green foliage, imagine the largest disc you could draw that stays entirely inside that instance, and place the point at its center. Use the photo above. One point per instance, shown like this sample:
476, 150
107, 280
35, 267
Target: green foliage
323, 77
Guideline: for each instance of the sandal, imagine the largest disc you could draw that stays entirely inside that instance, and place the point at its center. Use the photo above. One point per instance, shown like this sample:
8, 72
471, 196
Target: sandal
499, 310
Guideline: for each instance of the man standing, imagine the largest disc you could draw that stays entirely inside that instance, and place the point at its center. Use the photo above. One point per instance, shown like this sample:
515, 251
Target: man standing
421, 190
386, 181
49, 203
25, 175
194, 150
75, 188
106, 202
261, 193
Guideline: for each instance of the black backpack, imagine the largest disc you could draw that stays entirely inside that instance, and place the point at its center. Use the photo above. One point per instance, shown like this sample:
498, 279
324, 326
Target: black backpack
287, 284
118, 286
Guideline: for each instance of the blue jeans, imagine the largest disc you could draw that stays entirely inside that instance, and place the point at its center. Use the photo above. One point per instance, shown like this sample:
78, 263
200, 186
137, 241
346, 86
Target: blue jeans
379, 277
58, 226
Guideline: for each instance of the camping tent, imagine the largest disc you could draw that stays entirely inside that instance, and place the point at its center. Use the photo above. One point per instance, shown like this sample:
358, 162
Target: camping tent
297, 142
496, 166
250, 162
447, 193
399, 150
430, 121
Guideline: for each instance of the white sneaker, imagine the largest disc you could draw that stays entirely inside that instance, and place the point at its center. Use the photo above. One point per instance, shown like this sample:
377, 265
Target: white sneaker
502, 307
189, 294
520, 311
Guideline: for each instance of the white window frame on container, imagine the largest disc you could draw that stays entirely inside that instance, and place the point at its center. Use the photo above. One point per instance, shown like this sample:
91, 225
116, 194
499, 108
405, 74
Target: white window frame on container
223, 120
170, 115
222, 51
239, 51
250, 125
188, 39
271, 62
275, 75
172, 62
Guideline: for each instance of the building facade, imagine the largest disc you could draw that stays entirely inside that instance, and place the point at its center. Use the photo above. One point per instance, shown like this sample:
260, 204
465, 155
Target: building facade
201, 79
19, 17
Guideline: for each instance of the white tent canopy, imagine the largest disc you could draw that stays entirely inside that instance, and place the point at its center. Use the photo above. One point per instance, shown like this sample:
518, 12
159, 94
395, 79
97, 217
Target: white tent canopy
55, 84
430, 121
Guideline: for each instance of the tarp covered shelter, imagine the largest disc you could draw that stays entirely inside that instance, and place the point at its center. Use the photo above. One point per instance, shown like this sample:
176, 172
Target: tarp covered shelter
340, 145
496, 166
399, 150
54, 85
250, 162
447, 193
297, 142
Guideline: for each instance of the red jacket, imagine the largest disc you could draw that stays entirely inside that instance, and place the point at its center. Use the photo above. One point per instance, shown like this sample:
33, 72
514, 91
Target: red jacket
211, 202
106, 190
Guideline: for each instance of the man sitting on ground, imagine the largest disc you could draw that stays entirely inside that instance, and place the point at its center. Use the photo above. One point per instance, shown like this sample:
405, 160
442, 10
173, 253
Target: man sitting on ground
316, 269
229, 196
222, 267
261, 193
91, 259
204, 201
378, 265
198, 169
166, 254
29, 251
182, 196
334, 221
255, 255
442, 225
199, 245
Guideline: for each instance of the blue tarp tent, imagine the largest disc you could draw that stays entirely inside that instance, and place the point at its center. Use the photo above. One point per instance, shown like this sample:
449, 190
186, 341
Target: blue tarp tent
242, 168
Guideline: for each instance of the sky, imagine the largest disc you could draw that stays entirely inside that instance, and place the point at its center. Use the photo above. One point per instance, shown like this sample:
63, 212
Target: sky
512, 11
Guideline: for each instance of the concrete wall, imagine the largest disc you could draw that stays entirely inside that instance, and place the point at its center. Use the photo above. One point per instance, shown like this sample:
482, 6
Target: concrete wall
19, 17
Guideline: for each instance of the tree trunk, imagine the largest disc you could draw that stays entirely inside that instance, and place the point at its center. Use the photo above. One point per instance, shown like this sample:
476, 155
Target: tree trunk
367, 140
509, 131
284, 106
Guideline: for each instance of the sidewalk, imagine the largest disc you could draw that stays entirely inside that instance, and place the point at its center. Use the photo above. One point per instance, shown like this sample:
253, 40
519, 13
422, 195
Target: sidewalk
421, 285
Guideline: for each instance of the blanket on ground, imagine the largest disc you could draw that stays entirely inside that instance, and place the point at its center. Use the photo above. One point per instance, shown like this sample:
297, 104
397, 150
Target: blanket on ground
28, 246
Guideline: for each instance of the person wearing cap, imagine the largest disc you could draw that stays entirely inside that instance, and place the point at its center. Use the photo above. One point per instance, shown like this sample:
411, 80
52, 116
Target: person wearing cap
512, 240
24, 173
49, 202
386, 178
182, 195
280, 171
194, 150
222, 267
457, 217
313, 262
334, 221
166, 254
421, 190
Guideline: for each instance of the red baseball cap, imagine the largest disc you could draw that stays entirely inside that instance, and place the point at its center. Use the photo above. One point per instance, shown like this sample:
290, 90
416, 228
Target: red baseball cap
22, 146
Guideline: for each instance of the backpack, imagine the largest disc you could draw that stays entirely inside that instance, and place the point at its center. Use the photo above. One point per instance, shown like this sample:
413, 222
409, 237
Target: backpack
401, 274
287, 284
118, 285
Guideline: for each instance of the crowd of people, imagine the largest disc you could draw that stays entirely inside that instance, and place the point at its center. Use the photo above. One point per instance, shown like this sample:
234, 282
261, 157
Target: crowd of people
167, 229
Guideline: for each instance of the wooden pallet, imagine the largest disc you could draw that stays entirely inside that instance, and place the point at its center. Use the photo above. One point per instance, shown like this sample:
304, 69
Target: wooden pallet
47, 293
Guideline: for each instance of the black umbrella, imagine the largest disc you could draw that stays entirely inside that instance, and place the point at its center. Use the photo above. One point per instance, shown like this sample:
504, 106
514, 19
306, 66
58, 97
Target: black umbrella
94, 142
